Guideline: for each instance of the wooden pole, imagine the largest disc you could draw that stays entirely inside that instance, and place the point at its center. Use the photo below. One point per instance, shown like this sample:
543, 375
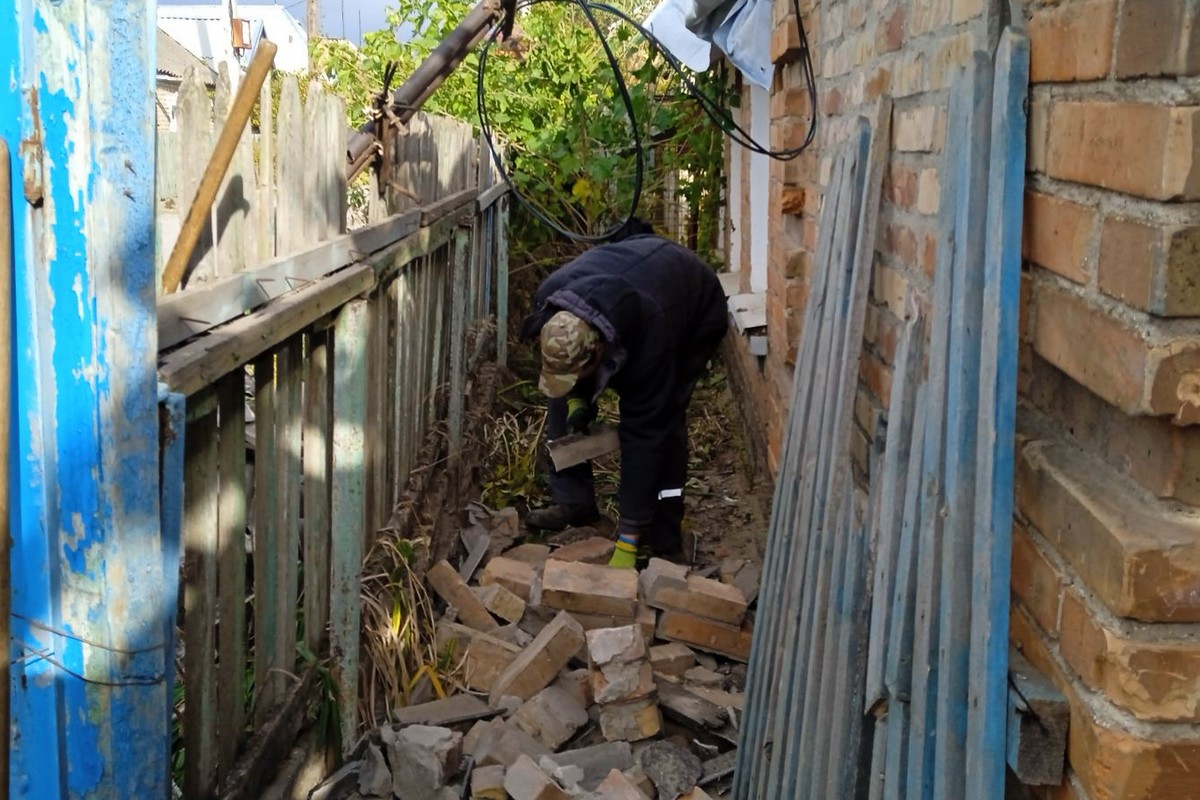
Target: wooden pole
218, 164
6, 270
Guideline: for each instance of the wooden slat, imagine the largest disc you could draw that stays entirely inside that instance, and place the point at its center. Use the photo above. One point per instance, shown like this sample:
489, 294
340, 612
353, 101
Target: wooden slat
962, 413
348, 512
199, 594
315, 154
231, 577
821, 485
186, 314
200, 363
273, 740
286, 472
929, 543
502, 281
193, 114
460, 253
317, 457
267, 524
893, 481
290, 171
770, 686
266, 174
997, 415
335, 182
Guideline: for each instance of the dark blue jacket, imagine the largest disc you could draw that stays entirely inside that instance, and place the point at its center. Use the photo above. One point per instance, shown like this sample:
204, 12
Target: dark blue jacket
661, 312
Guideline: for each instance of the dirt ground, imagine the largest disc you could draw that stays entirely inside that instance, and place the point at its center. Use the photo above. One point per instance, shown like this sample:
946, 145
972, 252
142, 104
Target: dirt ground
727, 514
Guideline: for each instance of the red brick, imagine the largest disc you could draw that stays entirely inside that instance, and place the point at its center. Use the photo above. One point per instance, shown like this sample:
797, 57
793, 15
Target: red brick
1058, 235
1155, 39
1162, 458
704, 634
878, 378
1035, 581
589, 588
1138, 367
1150, 266
1111, 761
832, 102
1039, 133
900, 186
1072, 41
1140, 557
453, 589
1153, 676
791, 201
785, 41
929, 192
791, 103
916, 129
1143, 149
879, 83
929, 255
891, 31
901, 241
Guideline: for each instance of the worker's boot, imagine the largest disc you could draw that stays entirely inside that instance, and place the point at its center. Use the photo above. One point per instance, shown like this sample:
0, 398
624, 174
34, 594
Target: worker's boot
558, 516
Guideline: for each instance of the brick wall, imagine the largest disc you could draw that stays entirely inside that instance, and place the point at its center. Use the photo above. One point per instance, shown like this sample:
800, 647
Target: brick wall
1106, 554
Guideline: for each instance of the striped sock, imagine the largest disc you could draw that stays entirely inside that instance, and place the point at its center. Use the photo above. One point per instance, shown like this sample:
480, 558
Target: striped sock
625, 552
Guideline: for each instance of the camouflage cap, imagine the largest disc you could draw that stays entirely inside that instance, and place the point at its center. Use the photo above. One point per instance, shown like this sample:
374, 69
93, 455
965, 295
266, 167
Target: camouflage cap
567, 346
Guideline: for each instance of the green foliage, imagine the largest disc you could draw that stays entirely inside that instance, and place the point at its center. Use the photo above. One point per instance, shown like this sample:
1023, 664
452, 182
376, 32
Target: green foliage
553, 97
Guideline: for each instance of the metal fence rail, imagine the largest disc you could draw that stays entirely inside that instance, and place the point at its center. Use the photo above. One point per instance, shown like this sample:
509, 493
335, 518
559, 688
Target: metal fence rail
311, 382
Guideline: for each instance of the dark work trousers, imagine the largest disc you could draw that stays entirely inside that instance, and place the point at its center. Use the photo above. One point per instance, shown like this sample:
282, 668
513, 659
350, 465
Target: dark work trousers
575, 485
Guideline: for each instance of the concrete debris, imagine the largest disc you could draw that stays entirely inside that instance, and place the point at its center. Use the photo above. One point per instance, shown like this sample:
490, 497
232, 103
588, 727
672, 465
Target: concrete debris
423, 759
595, 761
590, 589
501, 602
533, 554
452, 710
570, 654
672, 659
525, 780
552, 716
700, 676
374, 776
594, 550
617, 786
539, 664
487, 783
674, 770
568, 775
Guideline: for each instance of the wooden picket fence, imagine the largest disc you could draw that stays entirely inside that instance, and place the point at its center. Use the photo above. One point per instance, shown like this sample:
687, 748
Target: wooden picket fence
305, 366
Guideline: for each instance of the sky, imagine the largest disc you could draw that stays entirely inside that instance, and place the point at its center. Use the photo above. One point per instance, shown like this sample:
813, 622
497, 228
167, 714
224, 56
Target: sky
339, 18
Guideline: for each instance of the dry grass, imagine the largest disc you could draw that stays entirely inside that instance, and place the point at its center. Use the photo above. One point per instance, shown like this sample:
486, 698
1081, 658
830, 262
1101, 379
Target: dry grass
399, 648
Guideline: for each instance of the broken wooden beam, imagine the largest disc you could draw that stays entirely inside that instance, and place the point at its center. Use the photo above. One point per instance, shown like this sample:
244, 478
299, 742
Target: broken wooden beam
1038, 718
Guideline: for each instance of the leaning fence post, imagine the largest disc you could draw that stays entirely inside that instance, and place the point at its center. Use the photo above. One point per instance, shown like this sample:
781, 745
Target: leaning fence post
501, 222
458, 331
348, 511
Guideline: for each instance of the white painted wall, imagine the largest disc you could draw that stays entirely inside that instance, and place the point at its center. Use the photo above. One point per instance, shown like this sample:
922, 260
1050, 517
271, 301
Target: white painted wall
760, 176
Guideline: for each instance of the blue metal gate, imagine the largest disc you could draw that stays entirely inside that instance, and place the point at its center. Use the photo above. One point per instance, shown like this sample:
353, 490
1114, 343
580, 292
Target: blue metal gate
89, 650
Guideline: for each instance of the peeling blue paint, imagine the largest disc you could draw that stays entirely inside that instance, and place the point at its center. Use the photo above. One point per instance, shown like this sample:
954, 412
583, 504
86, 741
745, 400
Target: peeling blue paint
88, 555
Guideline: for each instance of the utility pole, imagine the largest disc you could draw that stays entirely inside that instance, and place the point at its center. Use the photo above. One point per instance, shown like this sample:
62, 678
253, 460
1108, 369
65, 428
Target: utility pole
313, 22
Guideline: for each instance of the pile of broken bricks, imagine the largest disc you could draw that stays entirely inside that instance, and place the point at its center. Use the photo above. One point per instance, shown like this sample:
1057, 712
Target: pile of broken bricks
584, 682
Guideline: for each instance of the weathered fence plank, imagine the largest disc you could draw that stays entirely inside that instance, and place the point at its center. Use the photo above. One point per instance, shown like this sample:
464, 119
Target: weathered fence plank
266, 536
317, 458
231, 557
348, 506
290, 171
200, 544
194, 113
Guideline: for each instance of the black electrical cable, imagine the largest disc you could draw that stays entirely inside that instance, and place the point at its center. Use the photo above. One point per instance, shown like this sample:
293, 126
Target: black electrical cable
711, 108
